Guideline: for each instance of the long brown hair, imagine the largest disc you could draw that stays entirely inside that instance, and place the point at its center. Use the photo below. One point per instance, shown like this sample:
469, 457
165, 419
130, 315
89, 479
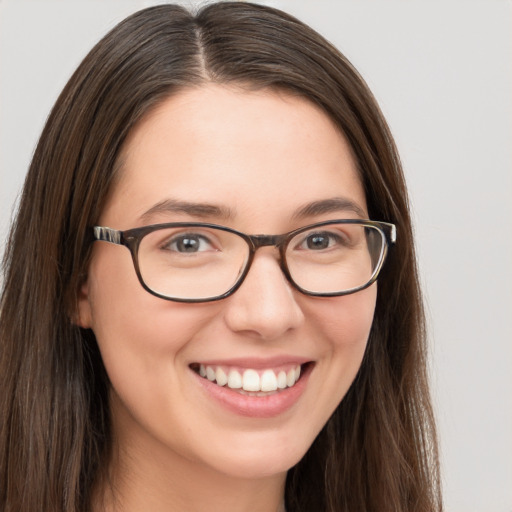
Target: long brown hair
378, 451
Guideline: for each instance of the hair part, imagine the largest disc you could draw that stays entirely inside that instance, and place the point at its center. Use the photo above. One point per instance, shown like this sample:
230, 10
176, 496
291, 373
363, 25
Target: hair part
378, 452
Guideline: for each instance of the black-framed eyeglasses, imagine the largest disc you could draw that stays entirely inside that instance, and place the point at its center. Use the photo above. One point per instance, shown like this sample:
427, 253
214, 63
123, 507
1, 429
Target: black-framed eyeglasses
201, 262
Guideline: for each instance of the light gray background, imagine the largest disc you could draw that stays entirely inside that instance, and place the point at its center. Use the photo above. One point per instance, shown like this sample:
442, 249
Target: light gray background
442, 72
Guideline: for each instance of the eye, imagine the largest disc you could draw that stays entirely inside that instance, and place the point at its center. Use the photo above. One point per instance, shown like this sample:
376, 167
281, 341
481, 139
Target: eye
188, 243
320, 241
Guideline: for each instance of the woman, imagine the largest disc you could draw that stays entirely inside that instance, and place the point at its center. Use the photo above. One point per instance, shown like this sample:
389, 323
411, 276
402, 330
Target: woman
238, 352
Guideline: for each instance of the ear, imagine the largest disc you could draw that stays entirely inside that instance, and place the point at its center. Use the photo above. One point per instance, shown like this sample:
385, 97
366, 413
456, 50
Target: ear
83, 316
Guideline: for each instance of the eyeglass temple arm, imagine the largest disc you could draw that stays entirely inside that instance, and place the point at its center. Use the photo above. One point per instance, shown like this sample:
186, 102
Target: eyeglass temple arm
107, 235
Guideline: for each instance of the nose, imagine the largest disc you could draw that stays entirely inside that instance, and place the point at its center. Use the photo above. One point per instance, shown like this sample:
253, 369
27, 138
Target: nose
265, 305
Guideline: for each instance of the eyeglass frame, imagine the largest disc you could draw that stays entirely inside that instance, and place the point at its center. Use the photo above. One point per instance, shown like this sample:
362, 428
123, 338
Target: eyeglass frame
131, 239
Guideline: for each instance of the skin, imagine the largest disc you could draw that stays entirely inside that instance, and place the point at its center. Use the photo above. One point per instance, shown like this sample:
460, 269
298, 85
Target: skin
263, 155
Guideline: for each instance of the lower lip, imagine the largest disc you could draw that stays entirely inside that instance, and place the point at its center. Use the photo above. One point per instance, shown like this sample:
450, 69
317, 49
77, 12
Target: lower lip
257, 406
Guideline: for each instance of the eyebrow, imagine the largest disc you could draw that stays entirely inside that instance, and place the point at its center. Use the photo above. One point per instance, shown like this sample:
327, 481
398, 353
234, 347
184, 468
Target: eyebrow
201, 210
207, 210
332, 205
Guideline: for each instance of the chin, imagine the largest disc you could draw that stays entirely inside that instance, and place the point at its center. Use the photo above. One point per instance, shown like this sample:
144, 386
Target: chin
262, 458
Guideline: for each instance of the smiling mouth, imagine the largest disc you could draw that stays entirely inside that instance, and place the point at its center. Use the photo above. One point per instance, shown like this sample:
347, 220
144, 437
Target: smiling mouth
248, 381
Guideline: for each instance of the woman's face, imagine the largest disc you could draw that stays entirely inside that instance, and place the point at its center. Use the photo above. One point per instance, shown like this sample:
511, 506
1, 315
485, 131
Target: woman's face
257, 159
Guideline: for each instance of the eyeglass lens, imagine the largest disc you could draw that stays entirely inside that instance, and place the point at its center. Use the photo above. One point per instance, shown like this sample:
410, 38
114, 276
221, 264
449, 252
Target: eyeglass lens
203, 262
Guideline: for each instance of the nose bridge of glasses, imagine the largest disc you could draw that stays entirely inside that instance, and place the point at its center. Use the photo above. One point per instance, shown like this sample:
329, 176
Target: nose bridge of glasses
266, 240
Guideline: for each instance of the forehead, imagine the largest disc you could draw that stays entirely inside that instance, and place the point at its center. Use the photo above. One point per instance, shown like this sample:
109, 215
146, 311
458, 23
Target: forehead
253, 152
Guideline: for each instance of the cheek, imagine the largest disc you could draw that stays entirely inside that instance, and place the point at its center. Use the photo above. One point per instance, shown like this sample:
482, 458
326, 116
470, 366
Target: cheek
340, 327
124, 313
345, 324
138, 334
346, 321
143, 341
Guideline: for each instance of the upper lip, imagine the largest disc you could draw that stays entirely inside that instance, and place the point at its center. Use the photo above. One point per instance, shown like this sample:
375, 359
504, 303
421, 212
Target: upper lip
256, 362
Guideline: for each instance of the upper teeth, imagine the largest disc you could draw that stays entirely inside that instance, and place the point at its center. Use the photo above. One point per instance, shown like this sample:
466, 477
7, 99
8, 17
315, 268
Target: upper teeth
251, 380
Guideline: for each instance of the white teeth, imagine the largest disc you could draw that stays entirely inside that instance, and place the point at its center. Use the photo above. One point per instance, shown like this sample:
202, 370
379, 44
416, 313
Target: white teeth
268, 381
290, 378
210, 373
251, 380
281, 380
234, 380
222, 378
